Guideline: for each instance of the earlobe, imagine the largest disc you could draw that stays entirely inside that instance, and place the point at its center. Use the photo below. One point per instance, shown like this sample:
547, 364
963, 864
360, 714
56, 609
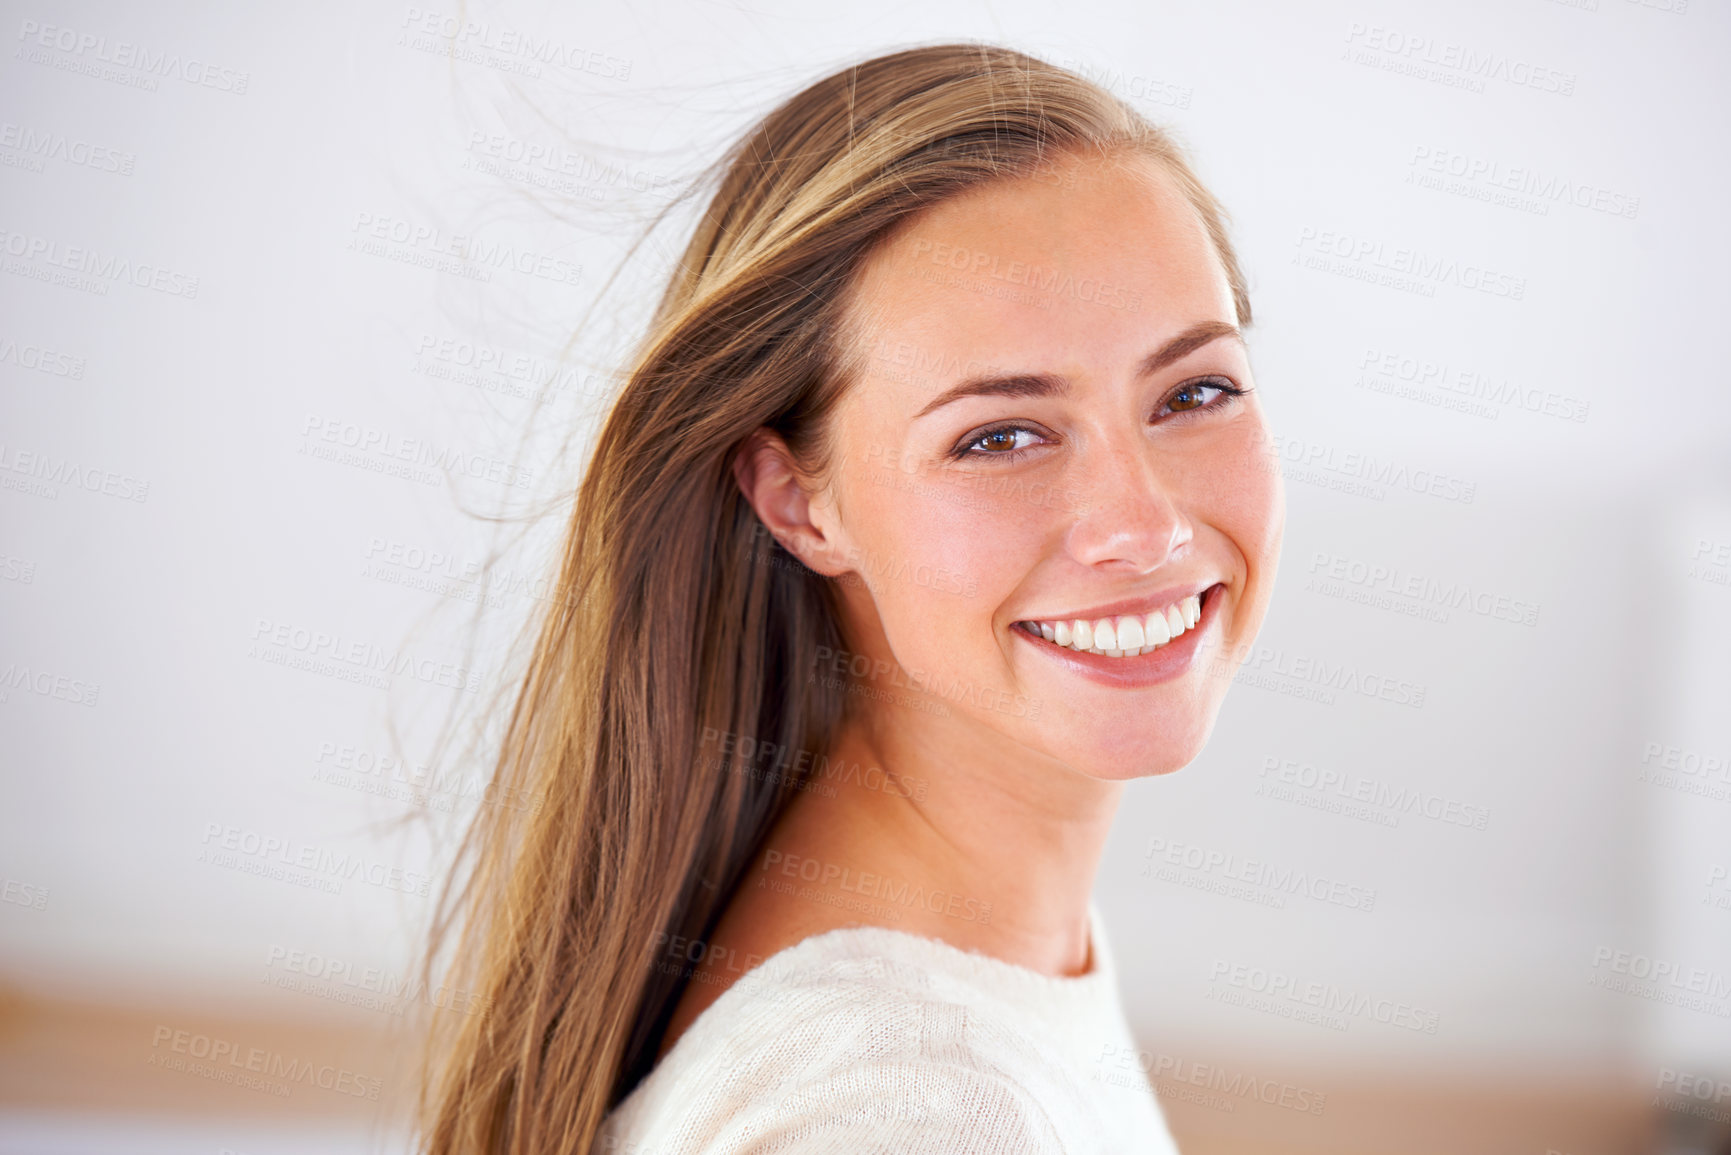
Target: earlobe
765, 472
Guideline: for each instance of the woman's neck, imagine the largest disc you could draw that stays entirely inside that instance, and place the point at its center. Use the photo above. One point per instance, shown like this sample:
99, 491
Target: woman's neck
918, 823
941, 827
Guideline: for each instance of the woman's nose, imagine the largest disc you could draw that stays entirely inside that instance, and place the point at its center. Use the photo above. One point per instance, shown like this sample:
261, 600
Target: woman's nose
1127, 513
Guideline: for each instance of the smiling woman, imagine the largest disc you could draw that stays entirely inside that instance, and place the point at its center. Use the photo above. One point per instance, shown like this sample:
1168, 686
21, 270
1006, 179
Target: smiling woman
816, 863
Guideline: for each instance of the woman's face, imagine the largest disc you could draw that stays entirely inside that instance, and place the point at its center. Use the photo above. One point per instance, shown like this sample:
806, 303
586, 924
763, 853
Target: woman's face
1054, 421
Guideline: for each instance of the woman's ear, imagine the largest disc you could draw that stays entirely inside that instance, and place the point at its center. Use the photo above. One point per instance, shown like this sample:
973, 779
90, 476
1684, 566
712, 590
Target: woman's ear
767, 476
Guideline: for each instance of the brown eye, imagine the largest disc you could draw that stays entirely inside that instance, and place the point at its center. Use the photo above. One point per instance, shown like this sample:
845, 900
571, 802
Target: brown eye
1007, 441
1207, 394
1189, 397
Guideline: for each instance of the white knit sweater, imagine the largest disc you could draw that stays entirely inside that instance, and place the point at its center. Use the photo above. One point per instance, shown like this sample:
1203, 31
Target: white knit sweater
866, 1040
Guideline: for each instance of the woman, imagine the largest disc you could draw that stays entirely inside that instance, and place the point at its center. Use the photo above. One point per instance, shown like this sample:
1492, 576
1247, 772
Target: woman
931, 512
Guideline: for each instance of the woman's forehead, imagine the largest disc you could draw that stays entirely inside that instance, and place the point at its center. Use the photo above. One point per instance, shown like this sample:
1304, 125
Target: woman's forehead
1026, 271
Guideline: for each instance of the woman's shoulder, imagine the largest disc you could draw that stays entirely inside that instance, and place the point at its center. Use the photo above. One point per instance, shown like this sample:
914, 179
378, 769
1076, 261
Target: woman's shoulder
842, 1042
830, 996
916, 988
849, 1057
865, 1038
822, 994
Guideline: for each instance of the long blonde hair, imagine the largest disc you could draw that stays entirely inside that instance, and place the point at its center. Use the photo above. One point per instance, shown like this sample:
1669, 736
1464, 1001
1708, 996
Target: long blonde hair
666, 626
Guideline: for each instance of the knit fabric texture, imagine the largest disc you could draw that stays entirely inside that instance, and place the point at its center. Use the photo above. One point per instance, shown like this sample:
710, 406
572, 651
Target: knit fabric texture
866, 1039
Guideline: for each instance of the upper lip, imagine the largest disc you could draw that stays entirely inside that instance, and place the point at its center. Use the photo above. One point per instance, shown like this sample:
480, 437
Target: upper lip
1146, 604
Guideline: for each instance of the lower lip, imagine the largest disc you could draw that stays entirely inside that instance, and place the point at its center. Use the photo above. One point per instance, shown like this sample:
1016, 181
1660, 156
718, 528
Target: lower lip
1146, 669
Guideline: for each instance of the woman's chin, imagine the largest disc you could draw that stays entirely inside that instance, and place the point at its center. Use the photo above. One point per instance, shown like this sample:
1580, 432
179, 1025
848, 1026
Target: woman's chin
1141, 757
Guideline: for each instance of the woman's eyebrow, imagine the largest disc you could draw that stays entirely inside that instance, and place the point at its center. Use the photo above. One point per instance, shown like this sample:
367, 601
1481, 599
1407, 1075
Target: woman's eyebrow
1187, 343
1051, 385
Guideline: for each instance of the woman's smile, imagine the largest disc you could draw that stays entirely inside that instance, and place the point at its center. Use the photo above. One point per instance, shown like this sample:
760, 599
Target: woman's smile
1128, 649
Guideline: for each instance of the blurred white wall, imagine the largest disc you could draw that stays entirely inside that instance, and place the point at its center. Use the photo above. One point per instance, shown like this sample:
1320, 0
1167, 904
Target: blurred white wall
253, 396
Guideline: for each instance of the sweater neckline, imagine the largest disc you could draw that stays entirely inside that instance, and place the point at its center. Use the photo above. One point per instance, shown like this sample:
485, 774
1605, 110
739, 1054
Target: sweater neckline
1063, 994
1066, 1003
865, 941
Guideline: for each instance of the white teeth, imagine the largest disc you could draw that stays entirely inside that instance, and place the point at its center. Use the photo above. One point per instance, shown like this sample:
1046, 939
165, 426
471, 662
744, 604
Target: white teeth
1127, 635
1130, 636
1155, 630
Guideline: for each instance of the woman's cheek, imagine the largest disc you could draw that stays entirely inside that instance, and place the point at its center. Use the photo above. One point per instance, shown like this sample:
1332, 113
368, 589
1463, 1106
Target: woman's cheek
1265, 501
1254, 519
957, 557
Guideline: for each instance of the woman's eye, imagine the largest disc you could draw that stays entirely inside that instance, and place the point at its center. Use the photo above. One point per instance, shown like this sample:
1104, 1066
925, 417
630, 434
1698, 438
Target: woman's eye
1190, 397
1194, 395
1002, 442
